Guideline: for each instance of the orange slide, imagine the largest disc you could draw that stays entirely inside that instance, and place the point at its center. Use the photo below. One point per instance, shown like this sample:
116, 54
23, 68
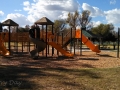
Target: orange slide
87, 42
60, 49
3, 50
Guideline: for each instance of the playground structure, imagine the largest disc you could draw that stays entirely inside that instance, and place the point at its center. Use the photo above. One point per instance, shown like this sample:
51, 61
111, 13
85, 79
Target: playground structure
23, 38
42, 42
60, 45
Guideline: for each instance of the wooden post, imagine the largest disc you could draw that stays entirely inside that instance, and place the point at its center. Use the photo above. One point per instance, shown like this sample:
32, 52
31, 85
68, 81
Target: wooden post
57, 41
52, 41
71, 41
9, 40
42, 38
74, 43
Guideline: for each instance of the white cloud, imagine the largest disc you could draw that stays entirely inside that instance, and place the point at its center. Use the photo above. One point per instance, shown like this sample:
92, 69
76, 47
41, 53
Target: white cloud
26, 3
52, 9
95, 24
18, 18
17, 10
94, 10
112, 16
112, 1
1, 13
58, 9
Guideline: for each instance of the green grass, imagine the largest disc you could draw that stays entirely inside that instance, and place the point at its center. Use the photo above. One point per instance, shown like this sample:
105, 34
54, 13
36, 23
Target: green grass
17, 78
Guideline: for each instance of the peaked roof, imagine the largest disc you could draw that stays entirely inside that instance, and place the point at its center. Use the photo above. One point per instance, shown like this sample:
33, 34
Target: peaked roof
44, 21
9, 22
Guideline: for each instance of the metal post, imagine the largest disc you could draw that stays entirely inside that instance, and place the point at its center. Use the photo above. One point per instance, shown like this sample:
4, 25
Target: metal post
57, 41
46, 40
62, 39
71, 41
74, 42
81, 42
29, 46
118, 42
22, 42
42, 38
48, 46
52, 41
9, 40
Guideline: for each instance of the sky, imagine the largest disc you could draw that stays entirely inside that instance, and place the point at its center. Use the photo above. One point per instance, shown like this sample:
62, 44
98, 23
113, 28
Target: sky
26, 12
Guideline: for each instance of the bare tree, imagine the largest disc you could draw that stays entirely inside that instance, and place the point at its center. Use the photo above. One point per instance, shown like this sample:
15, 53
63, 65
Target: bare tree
84, 18
72, 19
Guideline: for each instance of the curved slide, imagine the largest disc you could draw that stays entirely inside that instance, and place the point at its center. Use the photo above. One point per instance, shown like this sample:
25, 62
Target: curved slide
60, 49
40, 46
3, 50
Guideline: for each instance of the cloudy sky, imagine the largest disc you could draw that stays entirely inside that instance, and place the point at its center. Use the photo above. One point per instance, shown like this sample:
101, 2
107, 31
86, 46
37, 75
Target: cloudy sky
26, 12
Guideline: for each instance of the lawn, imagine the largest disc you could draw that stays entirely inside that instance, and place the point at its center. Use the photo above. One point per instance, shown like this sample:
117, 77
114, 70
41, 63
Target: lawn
22, 77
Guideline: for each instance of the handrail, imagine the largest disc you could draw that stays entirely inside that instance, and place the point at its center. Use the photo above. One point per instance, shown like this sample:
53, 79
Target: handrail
68, 36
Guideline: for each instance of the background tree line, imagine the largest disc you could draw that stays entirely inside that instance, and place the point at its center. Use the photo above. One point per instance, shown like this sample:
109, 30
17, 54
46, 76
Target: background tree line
104, 31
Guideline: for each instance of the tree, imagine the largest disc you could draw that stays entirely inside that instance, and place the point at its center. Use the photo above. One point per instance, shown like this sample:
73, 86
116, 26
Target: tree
76, 19
5, 30
59, 25
27, 28
84, 19
102, 29
13, 29
21, 29
110, 37
72, 19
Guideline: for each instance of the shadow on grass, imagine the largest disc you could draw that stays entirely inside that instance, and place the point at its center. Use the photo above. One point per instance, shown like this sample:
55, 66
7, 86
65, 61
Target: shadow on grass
22, 77
81, 72
14, 77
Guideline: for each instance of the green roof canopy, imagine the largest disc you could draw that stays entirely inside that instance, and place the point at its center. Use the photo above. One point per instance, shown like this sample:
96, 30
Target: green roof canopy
88, 34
